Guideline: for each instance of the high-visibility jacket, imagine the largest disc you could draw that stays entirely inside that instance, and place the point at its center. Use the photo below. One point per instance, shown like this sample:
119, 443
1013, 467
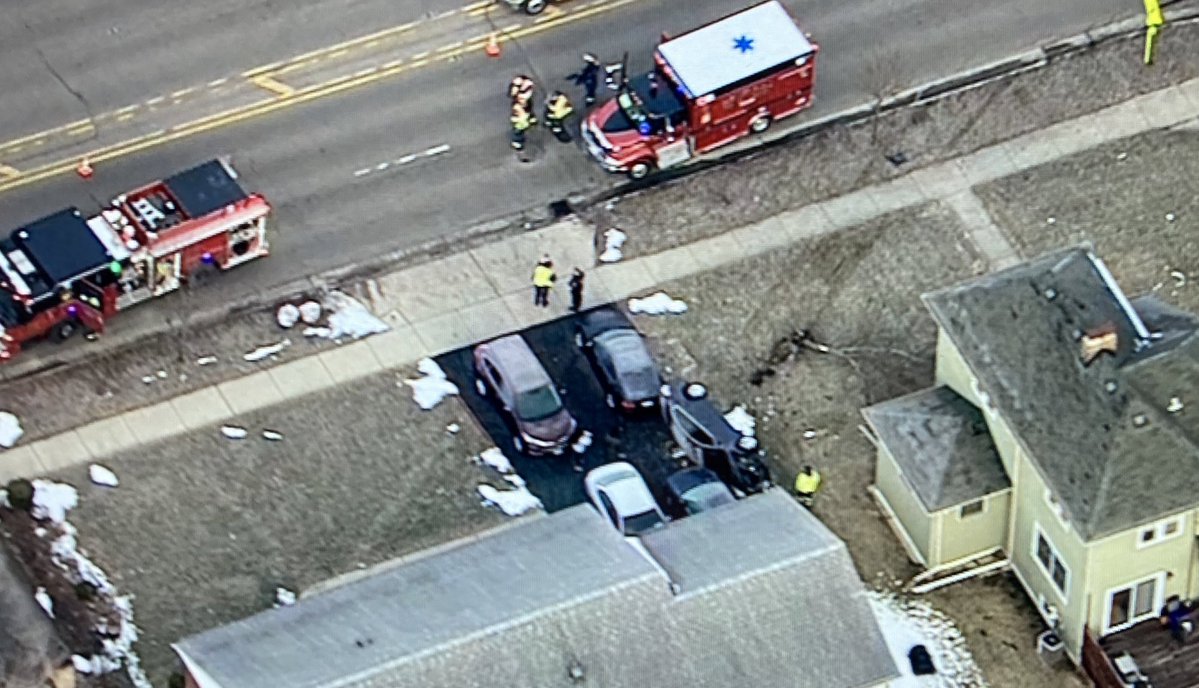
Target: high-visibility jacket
521, 119
808, 483
543, 276
559, 108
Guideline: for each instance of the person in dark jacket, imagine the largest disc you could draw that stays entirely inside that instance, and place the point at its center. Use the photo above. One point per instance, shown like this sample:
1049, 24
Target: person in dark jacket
588, 77
576, 290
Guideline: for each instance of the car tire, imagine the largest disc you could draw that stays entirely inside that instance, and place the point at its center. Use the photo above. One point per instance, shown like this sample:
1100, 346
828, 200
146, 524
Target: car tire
65, 330
533, 7
610, 400
759, 124
480, 386
640, 170
518, 444
695, 391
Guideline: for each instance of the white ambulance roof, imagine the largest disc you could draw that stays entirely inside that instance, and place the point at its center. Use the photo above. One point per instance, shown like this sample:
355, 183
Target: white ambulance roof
735, 48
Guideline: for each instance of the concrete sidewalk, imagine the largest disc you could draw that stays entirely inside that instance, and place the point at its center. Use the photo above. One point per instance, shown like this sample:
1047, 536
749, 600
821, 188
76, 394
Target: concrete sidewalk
483, 293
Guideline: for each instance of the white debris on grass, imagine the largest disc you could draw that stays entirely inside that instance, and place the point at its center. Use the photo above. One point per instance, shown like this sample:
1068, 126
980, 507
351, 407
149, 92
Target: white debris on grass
350, 318
148, 379
658, 304
453, 428
103, 476
272, 435
284, 597
742, 420
495, 458
234, 432
514, 502
310, 312
206, 360
907, 623
267, 351
428, 391
10, 429
582, 443
52, 501
613, 242
43, 598
287, 316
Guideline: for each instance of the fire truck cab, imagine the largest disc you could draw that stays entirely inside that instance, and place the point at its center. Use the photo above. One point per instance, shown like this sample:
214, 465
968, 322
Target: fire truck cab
65, 272
709, 87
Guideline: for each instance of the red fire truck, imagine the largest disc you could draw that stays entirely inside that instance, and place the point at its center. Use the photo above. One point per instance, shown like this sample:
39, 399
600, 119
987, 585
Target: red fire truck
67, 272
709, 86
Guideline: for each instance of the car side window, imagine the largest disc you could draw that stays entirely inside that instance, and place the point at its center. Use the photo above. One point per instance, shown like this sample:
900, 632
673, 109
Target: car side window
610, 508
494, 374
694, 431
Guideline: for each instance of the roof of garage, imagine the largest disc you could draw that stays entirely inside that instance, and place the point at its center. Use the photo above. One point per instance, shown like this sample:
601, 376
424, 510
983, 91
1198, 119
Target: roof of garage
523, 606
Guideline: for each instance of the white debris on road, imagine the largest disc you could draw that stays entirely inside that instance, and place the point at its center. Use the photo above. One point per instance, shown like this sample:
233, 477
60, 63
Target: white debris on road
267, 351
287, 316
907, 623
350, 318
272, 435
284, 597
513, 502
234, 432
495, 458
742, 420
10, 429
102, 475
613, 242
658, 304
43, 598
52, 501
310, 312
428, 391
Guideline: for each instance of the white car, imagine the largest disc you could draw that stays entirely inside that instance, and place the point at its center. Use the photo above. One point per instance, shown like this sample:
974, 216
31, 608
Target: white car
619, 493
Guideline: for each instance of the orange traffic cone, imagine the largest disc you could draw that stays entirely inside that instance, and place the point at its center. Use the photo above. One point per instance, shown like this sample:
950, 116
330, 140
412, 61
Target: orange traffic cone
493, 47
85, 169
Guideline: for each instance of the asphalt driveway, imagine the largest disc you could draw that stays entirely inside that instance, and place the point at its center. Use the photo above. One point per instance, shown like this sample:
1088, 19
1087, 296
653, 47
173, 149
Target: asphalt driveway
558, 480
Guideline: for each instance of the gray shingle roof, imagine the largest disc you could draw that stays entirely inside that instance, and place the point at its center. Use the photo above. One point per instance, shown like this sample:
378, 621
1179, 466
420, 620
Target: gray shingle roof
1100, 433
518, 608
942, 445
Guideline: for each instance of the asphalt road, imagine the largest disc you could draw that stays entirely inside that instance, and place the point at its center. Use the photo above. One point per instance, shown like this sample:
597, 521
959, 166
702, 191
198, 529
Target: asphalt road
641, 440
61, 60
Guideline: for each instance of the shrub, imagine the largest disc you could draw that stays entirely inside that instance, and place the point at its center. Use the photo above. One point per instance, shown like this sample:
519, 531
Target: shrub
20, 494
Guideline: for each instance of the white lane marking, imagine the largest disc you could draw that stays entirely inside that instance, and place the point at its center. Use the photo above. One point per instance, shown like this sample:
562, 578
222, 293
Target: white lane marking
404, 160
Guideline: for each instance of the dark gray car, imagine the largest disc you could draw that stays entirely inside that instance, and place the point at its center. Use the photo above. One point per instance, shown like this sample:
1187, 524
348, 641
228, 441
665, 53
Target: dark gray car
708, 440
618, 352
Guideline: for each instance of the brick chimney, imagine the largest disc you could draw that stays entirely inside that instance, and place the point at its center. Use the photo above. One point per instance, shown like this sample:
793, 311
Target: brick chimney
1097, 341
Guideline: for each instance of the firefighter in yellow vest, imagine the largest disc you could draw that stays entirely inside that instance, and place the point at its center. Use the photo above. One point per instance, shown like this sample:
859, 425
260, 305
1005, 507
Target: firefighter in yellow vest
521, 121
557, 109
807, 484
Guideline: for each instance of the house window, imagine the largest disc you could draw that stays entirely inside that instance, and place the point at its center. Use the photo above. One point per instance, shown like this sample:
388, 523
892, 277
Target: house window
1130, 604
1051, 562
1170, 528
971, 508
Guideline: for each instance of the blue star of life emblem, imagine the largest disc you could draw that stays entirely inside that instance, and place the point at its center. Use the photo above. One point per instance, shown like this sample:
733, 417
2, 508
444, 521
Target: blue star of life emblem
743, 44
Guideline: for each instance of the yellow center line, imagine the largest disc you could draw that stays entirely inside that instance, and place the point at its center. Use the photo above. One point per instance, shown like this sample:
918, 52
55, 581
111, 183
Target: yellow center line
296, 97
80, 131
277, 87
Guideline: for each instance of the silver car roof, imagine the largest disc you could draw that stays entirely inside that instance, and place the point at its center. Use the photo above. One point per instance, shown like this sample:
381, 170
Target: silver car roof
517, 363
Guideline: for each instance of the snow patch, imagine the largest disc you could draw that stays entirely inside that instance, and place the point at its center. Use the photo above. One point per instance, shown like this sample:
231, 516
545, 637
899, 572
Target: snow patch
512, 502
453, 428
233, 432
310, 312
495, 458
428, 391
613, 242
205, 360
102, 475
284, 597
742, 420
658, 304
287, 316
267, 351
52, 501
907, 623
350, 318
10, 429
272, 435
43, 598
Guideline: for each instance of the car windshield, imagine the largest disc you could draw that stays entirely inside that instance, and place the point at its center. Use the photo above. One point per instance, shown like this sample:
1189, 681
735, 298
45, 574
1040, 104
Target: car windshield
639, 523
706, 496
538, 404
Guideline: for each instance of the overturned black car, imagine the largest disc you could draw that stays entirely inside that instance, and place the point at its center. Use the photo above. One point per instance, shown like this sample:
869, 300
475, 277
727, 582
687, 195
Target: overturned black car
708, 440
